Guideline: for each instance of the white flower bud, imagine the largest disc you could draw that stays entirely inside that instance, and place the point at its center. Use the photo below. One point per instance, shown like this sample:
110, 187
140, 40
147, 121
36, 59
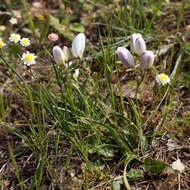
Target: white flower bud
76, 74
58, 55
140, 46
133, 39
147, 59
66, 53
125, 56
78, 45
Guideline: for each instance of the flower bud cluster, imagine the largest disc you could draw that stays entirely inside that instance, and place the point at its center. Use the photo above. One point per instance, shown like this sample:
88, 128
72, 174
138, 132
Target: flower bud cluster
138, 46
62, 56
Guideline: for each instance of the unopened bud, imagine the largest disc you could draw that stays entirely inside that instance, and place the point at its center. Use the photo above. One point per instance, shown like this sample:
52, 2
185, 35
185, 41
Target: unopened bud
76, 74
67, 53
59, 56
133, 39
140, 46
78, 45
125, 56
147, 59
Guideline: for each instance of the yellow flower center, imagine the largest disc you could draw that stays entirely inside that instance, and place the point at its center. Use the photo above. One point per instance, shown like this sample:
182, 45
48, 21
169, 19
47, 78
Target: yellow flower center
25, 41
163, 77
1, 44
188, 27
15, 37
41, 17
29, 57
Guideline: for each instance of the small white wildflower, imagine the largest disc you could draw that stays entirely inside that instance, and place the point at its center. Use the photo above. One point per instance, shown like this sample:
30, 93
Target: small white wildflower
13, 21
25, 42
1, 43
178, 165
14, 38
162, 79
29, 58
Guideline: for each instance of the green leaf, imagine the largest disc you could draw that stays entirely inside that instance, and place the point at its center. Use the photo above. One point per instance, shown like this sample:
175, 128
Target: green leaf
169, 170
135, 173
104, 149
116, 183
45, 29
154, 166
15, 50
77, 27
60, 28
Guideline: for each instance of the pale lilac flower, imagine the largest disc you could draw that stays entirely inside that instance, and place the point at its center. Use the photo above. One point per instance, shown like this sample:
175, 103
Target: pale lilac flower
125, 56
140, 46
133, 39
147, 59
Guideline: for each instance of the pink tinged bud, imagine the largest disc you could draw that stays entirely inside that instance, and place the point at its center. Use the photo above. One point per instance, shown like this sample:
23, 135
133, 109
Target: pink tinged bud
133, 39
125, 56
140, 46
53, 37
78, 45
147, 59
58, 55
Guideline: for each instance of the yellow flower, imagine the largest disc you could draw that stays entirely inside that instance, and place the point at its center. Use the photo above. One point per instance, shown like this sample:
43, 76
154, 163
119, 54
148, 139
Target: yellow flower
188, 27
40, 17
1, 44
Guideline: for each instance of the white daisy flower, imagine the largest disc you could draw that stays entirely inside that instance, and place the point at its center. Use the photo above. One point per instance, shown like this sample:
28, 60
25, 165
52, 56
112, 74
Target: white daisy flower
178, 165
13, 21
25, 42
14, 38
162, 79
29, 58
1, 43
